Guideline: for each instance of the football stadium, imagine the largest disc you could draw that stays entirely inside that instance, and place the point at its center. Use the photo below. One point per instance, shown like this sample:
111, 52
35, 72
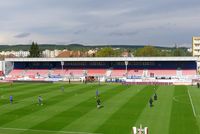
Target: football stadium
108, 95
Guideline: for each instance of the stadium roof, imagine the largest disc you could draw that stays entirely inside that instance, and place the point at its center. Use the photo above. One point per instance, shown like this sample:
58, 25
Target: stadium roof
103, 59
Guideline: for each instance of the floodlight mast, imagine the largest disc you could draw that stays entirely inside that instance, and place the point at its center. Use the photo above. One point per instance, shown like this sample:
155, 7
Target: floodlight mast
126, 64
62, 64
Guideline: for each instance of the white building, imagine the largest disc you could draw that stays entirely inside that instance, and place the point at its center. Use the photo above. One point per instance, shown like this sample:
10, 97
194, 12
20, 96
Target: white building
46, 53
91, 52
22, 53
16, 53
51, 54
196, 47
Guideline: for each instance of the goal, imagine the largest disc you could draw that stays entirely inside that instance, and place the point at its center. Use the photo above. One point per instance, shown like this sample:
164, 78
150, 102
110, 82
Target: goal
140, 130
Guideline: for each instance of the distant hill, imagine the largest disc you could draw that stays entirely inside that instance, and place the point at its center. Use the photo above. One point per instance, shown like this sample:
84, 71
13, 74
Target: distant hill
72, 47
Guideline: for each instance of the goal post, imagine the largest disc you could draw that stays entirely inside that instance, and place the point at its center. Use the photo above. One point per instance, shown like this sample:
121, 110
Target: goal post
134, 130
140, 130
146, 130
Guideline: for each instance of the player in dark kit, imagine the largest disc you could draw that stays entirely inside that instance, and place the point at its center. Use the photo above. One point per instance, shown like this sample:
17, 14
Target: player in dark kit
150, 102
98, 103
155, 96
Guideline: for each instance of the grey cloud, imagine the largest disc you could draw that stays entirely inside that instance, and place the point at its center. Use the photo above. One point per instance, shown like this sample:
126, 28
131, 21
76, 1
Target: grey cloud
132, 33
97, 22
22, 35
80, 31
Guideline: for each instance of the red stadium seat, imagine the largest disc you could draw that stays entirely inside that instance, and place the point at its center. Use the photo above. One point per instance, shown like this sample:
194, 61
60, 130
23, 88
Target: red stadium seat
161, 72
189, 72
75, 72
58, 72
16, 72
34, 72
1, 73
96, 72
135, 72
118, 72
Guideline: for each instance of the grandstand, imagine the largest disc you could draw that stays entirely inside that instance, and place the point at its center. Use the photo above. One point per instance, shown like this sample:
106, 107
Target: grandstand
136, 69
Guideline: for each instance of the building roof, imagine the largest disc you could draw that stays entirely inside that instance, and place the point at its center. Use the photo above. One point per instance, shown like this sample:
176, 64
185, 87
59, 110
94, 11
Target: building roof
64, 54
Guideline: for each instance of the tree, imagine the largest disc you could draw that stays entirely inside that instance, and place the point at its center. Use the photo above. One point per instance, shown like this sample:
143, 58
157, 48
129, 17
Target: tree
107, 52
180, 52
147, 51
34, 50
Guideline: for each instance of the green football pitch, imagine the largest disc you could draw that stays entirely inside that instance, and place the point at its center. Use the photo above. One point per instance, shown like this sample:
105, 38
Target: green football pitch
74, 111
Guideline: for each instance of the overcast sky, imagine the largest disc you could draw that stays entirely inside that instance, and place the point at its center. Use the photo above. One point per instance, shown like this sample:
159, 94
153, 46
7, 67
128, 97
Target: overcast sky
113, 22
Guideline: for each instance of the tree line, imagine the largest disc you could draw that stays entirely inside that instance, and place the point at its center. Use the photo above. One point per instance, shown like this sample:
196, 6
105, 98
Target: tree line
146, 51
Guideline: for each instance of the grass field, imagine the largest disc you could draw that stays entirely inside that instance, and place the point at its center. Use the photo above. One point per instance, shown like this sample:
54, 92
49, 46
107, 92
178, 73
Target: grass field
177, 110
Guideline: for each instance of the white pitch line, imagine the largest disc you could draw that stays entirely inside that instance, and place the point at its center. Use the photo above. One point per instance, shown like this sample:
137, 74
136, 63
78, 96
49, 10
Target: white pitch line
192, 104
48, 131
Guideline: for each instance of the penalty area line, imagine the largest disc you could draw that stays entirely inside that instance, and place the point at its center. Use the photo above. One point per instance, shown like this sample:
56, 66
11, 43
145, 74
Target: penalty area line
192, 104
47, 131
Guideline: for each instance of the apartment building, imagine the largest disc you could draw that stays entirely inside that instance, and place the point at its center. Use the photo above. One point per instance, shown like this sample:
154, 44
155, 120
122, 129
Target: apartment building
196, 47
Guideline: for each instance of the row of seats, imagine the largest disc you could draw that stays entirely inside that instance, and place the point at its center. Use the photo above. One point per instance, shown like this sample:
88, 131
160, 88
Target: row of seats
189, 72
162, 72
97, 72
1, 73
16, 72
76, 72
